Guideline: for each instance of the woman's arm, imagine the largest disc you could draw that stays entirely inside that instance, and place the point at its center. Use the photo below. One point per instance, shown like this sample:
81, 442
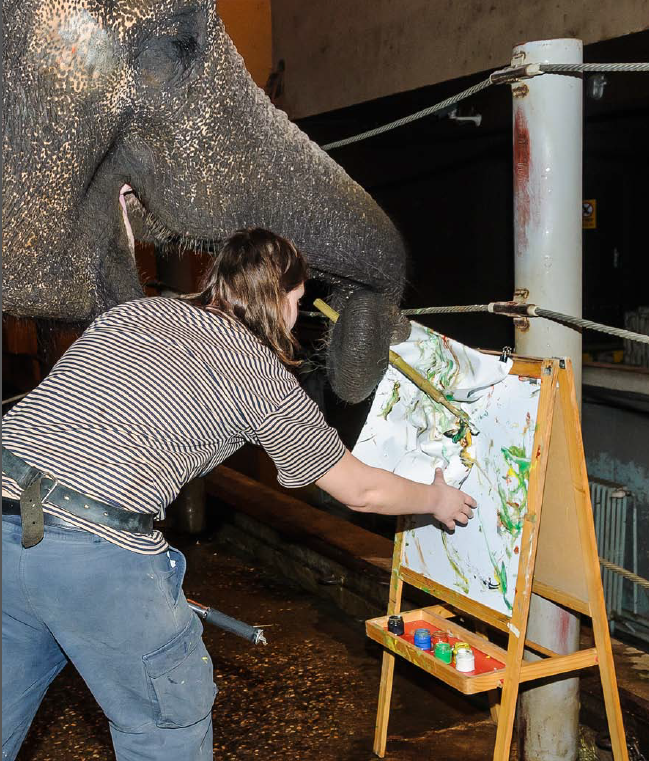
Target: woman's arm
372, 490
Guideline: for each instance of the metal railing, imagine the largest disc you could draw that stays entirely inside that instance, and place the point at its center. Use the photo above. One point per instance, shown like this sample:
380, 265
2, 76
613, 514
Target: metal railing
615, 514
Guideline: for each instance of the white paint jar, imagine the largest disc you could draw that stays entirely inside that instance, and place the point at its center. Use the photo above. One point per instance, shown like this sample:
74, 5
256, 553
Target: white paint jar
465, 660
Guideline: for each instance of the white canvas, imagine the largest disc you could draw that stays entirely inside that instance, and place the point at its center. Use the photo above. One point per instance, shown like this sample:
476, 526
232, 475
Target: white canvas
409, 434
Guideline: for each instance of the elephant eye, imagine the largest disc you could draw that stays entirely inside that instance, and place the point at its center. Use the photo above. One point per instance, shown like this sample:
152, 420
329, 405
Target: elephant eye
165, 58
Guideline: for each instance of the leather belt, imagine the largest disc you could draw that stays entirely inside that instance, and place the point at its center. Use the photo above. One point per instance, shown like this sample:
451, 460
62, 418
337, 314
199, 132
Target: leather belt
38, 486
12, 507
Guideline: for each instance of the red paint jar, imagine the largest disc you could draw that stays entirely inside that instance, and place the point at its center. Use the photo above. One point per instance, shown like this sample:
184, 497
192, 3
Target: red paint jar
438, 636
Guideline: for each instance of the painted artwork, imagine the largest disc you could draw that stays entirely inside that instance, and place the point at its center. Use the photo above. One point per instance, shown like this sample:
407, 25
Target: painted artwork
409, 434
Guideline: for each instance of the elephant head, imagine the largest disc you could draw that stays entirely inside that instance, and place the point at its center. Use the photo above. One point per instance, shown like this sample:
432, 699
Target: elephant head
113, 106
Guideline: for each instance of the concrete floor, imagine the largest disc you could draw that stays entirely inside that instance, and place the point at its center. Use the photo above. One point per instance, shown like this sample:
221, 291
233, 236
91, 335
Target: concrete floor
310, 694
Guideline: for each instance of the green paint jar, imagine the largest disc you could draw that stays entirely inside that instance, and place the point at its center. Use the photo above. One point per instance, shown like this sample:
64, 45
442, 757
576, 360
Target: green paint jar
443, 651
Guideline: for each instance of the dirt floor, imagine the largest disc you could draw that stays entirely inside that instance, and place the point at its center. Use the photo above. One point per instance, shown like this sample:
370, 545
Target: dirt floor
311, 693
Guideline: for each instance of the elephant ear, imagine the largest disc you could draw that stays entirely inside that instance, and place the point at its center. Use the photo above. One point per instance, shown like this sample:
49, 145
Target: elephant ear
359, 342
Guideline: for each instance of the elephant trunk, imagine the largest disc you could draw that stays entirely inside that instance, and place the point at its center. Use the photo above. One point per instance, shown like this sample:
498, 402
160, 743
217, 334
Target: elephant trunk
247, 165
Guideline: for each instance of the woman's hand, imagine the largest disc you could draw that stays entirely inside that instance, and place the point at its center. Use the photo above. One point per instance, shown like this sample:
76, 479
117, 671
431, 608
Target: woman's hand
450, 505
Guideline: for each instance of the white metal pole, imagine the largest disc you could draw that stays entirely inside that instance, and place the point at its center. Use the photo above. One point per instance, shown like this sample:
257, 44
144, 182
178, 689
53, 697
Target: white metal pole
548, 266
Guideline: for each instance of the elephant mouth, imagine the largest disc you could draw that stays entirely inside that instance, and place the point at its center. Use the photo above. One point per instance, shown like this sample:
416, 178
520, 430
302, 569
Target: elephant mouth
140, 223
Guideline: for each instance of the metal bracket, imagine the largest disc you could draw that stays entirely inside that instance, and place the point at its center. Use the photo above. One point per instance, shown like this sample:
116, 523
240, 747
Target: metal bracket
521, 294
522, 324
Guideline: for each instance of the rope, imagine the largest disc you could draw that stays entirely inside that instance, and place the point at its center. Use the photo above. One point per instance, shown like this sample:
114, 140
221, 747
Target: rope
413, 117
557, 67
644, 583
589, 325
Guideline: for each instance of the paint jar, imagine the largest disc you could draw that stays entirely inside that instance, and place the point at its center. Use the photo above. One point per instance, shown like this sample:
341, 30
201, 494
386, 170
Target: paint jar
422, 639
443, 652
439, 636
459, 646
396, 625
465, 660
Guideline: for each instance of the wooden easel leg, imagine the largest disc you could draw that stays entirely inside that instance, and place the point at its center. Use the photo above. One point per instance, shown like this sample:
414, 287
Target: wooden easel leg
588, 542
387, 668
383, 713
609, 686
506, 716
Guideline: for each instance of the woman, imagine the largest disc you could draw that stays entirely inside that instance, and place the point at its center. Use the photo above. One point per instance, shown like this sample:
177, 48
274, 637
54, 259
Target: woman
154, 393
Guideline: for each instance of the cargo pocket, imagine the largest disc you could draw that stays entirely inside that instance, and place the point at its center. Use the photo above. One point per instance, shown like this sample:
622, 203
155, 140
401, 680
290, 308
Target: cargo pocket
181, 678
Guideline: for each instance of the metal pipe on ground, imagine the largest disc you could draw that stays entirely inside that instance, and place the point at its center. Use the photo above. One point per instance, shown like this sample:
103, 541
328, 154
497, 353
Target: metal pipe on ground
547, 142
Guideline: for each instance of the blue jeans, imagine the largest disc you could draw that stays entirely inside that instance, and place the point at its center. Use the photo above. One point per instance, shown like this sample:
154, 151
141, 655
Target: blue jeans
122, 619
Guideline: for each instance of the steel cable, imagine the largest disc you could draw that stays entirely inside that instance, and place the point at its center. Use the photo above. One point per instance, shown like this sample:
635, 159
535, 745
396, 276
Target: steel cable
534, 311
548, 68
14, 398
446, 310
411, 118
558, 67
590, 325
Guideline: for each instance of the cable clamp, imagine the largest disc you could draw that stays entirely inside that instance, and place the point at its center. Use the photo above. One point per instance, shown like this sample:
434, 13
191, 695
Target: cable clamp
512, 309
513, 74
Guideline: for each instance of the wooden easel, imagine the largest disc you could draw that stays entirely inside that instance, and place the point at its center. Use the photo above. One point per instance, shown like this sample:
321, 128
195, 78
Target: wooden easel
558, 561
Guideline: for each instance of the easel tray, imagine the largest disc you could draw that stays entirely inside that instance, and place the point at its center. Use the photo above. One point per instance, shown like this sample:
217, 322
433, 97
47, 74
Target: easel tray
490, 658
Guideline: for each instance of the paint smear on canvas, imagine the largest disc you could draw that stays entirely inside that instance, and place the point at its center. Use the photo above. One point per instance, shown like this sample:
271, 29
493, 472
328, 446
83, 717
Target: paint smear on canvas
409, 434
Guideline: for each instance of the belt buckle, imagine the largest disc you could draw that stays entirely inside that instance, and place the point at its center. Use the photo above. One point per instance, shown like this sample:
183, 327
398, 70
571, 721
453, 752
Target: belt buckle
55, 483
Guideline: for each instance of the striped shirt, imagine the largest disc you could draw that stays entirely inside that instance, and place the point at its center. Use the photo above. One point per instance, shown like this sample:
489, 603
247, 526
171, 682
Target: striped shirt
153, 394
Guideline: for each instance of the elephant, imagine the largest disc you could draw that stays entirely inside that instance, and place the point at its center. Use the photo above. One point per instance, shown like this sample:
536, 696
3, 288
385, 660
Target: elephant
123, 114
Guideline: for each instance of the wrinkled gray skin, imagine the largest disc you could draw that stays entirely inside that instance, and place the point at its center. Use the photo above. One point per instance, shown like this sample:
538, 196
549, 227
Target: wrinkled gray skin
154, 95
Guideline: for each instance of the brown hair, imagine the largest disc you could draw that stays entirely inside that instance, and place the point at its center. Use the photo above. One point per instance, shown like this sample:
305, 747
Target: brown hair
251, 274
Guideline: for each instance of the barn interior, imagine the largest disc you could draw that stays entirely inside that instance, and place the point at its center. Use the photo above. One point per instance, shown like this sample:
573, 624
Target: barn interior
295, 560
